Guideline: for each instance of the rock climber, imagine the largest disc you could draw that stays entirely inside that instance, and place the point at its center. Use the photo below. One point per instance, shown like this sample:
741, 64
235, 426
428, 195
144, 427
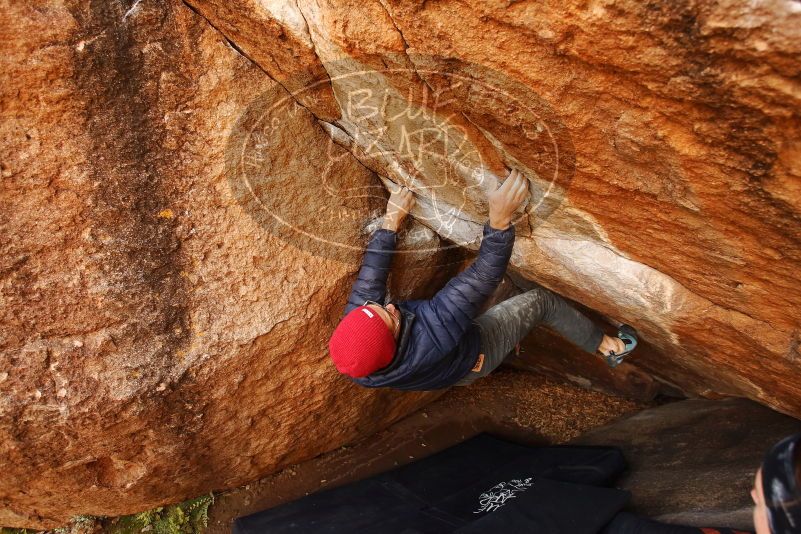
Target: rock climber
432, 344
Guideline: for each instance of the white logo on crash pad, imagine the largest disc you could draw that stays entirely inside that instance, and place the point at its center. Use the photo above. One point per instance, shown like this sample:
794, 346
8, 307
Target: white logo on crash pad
497, 495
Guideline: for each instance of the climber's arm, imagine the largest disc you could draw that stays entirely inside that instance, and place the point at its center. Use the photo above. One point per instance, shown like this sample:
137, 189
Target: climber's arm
458, 303
455, 306
371, 282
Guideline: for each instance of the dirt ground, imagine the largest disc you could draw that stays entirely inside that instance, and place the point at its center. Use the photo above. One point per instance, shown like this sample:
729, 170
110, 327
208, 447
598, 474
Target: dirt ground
518, 405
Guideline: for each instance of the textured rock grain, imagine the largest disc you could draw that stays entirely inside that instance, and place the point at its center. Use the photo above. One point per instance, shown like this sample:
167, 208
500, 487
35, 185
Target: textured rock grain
157, 339
671, 159
163, 330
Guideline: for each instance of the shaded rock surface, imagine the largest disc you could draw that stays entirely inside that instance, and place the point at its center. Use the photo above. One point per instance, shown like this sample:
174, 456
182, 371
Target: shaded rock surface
693, 462
187, 189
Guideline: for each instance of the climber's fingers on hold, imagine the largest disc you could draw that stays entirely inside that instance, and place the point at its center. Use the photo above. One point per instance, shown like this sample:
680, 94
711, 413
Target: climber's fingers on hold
509, 182
408, 198
397, 198
398, 192
521, 181
522, 190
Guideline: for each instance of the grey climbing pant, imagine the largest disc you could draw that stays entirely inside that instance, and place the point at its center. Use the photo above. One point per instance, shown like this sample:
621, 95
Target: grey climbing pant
505, 324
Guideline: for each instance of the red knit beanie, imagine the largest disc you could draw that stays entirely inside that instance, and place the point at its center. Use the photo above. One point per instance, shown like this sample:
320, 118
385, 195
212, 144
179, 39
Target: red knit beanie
361, 343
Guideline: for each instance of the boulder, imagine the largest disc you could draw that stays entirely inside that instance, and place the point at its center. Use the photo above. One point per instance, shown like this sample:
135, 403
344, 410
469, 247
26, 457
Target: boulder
661, 143
160, 337
693, 462
188, 188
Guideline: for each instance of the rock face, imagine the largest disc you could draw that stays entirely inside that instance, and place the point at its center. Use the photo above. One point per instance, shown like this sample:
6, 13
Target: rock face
662, 143
157, 340
187, 189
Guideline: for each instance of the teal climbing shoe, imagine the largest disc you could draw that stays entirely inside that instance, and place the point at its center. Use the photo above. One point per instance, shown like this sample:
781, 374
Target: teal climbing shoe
629, 337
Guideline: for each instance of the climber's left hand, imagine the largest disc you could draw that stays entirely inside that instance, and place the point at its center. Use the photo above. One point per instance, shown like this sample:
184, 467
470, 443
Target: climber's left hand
400, 202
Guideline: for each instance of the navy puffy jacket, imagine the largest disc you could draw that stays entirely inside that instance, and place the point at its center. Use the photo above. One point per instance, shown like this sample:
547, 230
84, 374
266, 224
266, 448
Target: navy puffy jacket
438, 342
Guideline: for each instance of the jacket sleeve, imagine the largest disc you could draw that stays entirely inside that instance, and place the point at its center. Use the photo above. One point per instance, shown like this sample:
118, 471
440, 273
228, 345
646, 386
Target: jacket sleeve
453, 308
371, 283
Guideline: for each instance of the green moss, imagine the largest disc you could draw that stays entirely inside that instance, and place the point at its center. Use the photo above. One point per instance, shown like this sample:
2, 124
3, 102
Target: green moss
188, 517
7, 530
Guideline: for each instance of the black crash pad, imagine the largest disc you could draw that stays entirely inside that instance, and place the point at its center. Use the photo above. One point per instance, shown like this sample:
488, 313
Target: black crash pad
482, 485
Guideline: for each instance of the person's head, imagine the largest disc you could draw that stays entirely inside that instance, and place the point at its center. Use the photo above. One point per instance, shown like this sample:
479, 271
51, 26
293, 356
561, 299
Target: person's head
365, 339
777, 489
390, 314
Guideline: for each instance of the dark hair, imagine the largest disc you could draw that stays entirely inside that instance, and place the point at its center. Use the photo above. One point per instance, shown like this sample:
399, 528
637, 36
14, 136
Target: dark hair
797, 462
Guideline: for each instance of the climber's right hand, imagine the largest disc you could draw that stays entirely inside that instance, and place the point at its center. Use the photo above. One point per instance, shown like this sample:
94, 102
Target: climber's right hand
400, 202
506, 199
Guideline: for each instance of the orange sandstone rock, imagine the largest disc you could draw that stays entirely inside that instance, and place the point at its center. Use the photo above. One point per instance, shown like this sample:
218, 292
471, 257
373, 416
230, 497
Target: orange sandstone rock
661, 142
187, 191
159, 339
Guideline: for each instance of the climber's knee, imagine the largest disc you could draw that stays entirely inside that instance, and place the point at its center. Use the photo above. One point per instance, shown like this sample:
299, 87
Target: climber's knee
543, 302
539, 295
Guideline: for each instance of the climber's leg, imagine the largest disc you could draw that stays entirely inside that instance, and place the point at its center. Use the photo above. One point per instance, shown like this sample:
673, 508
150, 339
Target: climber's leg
506, 323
